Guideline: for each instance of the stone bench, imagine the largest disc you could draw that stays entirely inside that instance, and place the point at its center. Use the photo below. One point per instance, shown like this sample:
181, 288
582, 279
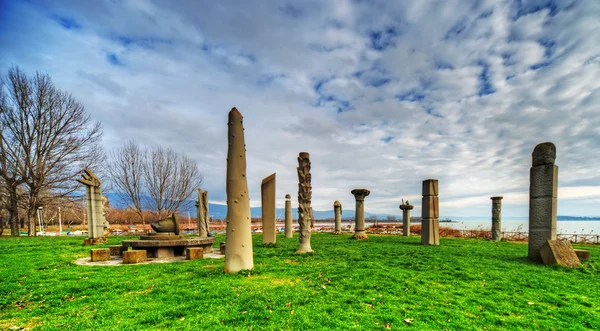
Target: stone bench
134, 256
100, 254
159, 248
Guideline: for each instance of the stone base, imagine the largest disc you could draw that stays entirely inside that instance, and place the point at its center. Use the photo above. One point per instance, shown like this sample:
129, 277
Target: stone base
134, 256
157, 248
94, 241
222, 248
582, 254
115, 250
100, 254
360, 235
194, 253
430, 232
559, 252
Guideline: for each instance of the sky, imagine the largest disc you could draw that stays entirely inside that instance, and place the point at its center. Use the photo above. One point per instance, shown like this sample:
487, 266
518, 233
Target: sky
382, 94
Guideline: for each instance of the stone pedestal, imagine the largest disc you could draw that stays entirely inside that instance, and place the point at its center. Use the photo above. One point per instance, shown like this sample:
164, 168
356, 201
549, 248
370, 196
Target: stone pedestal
496, 218
289, 227
406, 208
134, 256
100, 254
430, 213
359, 217
543, 188
194, 253
337, 213
267, 195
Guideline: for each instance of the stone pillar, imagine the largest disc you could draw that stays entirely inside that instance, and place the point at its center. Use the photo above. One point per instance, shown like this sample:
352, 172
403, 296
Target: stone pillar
289, 227
496, 218
304, 202
238, 252
406, 208
202, 213
97, 223
430, 213
337, 212
267, 196
543, 188
359, 217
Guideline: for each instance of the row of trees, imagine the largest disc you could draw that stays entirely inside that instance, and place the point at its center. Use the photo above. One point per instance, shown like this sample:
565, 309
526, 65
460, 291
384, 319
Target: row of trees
46, 140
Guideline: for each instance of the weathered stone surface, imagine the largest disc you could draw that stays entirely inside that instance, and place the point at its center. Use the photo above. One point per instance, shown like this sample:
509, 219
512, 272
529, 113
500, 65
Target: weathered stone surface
161, 252
559, 252
134, 256
169, 224
100, 254
166, 248
194, 253
359, 216
222, 247
582, 254
406, 208
202, 213
537, 239
289, 227
543, 181
542, 213
337, 214
95, 204
238, 255
267, 195
430, 187
544, 153
94, 241
115, 250
430, 207
430, 231
304, 202
496, 218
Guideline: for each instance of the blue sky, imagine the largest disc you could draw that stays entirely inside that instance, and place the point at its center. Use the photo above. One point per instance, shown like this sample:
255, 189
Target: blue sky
383, 94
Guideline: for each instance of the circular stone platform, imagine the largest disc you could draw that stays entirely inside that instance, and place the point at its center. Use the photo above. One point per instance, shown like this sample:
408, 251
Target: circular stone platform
117, 260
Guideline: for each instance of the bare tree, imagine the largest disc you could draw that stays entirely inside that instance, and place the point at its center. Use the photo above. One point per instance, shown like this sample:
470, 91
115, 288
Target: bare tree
170, 179
47, 137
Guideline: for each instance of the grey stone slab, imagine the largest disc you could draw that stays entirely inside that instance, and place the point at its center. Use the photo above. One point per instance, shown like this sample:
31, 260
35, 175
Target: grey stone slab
542, 213
537, 239
543, 181
430, 207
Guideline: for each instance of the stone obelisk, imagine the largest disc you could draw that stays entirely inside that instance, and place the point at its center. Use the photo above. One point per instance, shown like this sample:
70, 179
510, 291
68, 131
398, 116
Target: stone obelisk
337, 212
267, 196
496, 218
406, 208
359, 216
289, 227
304, 202
238, 251
430, 213
543, 189
97, 223
202, 213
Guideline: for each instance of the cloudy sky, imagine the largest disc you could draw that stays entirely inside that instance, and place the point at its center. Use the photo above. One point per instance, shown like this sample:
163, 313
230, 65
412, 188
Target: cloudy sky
382, 94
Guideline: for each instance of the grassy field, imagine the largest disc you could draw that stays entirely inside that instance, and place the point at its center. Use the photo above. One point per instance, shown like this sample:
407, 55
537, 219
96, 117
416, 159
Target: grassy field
385, 282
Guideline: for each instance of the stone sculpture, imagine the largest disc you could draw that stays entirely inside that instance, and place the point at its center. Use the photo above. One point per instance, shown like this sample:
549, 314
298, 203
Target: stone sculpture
167, 225
430, 213
304, 199
97, 223
337, 212
288, 217
267, 196
202, 213
543, 188
359, 216
496, 218
238, 252
406, 208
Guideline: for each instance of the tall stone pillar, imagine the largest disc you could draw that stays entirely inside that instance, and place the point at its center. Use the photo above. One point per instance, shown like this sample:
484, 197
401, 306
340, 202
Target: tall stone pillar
97, 223
202, 213
337, 213
238, 251
496, 218
430, 213
289, 227
406, 208
543, 188
304, 202
267, 196
359, 216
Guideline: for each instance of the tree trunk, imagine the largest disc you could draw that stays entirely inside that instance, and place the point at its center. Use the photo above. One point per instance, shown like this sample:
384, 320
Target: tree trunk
13, 213
31, 228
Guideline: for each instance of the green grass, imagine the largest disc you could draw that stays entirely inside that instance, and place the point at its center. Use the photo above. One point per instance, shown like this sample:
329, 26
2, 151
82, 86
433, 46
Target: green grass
463, 284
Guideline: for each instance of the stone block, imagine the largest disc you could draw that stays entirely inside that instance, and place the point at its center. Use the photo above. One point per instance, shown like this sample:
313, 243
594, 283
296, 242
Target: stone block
100, 254
430, 187
537, 239
582, 254
430, 232
115, 250
194, 253
559, 252
430, 207
542, 214
543, 181
162, 252
222, 248
134, 256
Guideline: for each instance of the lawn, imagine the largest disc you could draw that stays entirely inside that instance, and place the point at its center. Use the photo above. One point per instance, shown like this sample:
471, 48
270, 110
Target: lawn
385, 282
